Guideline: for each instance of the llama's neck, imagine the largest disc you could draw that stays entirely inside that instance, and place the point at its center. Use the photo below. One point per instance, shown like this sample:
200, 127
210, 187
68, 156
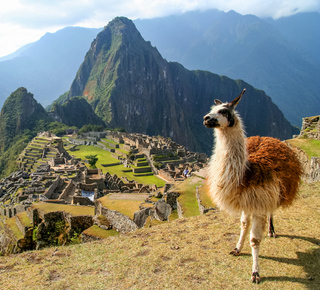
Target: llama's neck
228, 163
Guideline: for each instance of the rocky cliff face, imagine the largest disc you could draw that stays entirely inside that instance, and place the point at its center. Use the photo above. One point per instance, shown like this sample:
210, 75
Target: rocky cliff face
75, 112
130, 85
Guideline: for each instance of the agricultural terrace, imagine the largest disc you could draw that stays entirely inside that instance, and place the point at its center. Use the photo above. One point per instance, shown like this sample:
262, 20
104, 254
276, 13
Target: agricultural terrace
74, 210
11, 224
187, 198
104, 157
126, 204
310, 146
98, 232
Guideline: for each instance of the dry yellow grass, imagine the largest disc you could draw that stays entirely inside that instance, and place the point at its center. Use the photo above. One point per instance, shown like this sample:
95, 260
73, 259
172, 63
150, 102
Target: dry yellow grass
182, 254
72, 209
126, 206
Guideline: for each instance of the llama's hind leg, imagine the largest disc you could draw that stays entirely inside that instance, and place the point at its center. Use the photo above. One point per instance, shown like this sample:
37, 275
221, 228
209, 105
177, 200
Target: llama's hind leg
245, 224
258, 225
271, 232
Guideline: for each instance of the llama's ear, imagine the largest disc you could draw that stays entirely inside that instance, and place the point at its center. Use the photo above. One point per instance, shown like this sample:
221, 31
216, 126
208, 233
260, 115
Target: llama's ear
236, 101
217, 102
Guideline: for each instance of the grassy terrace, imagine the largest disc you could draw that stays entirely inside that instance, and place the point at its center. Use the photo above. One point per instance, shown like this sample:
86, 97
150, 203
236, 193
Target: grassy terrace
187, 198
310, 146
72, 209
109, 141
24, 219
125, 206
96, 231
205, 198
11, 224
104, 157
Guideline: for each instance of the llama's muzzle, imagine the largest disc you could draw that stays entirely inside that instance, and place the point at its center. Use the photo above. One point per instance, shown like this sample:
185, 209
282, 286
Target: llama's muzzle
210, 122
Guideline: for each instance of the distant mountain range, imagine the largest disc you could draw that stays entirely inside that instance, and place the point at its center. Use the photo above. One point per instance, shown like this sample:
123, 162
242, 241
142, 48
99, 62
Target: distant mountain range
130, 85
124, 82
281, 57
46, 67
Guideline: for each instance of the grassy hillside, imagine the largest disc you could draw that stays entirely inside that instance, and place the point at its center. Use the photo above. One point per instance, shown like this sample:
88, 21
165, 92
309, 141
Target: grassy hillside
189, 253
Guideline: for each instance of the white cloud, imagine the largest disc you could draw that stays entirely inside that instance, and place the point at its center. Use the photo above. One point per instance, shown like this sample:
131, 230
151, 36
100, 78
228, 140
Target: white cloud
24, 21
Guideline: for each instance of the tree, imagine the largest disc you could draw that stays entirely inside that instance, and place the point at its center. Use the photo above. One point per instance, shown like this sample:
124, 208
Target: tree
92, 159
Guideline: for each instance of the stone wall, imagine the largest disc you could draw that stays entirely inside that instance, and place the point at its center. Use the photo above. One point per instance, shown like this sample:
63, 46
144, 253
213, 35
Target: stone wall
81, 200
311, 167
202, 209
311, 127
56, 183
68, 190
119, 222
79, 223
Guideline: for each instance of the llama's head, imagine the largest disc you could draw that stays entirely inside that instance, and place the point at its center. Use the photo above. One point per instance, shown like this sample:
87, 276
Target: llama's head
222, 115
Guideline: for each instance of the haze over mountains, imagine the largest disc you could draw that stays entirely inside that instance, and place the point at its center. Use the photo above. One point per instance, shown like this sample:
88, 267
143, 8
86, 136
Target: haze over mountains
130, 85
46, 67
278, 56
124, 82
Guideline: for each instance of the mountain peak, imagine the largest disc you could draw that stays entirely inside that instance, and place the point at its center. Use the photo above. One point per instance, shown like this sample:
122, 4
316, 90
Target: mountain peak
130, 85
19, 112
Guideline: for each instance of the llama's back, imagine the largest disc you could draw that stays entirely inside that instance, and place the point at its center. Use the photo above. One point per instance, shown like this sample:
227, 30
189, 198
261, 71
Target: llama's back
269, 157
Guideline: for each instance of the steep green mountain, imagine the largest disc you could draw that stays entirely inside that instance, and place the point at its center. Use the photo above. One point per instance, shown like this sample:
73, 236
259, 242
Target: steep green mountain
276, 58
75, 112
47, 66
130, 85
21, 114
21, 118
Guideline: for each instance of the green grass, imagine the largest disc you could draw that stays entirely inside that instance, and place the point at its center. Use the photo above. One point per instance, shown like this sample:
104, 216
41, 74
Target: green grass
24, 219
124, 206
11, 224
98, 232
310, 146
104, 157
72, 209
187, 198
109, 141
206, 201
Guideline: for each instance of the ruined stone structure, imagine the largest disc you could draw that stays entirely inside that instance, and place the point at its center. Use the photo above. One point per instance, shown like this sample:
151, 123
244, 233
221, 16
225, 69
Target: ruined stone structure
310, 128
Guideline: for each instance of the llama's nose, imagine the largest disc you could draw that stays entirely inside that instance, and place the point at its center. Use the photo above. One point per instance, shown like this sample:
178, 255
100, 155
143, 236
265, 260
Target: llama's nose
206, 118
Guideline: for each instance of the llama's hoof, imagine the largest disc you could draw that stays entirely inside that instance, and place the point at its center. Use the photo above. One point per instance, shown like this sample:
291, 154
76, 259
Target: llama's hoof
272, 235
235, 252
255, 278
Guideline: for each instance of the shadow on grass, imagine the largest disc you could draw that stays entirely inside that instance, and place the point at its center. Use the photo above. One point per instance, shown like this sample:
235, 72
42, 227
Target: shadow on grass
309, 260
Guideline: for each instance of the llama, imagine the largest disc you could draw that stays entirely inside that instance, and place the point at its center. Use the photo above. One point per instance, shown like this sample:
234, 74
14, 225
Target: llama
252, 176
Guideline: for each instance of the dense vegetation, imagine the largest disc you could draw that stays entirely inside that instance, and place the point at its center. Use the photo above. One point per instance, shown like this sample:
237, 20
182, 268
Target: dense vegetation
75, 112
21, 118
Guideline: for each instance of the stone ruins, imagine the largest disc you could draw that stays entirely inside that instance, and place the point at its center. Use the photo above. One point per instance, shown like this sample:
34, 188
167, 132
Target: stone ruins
50, 175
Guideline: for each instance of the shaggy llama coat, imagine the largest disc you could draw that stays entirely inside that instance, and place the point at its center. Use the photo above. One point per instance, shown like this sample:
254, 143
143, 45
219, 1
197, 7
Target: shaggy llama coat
252, 176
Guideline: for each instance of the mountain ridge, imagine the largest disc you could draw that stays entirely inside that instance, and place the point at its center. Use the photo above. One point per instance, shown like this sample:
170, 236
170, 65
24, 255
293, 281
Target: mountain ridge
242, 47
130, 85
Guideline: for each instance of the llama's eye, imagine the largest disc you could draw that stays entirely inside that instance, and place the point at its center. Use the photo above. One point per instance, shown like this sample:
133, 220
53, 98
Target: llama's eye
223, 112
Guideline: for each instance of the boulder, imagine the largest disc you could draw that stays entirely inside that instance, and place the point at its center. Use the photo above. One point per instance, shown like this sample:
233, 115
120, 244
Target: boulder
141, 216
162, 210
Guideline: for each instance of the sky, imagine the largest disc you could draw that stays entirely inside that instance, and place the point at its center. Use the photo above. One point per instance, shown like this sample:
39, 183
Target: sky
25, 21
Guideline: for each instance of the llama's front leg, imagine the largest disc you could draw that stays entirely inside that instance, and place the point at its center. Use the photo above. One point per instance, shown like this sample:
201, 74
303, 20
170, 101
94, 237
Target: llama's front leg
258, 225
245, 224
271, 232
